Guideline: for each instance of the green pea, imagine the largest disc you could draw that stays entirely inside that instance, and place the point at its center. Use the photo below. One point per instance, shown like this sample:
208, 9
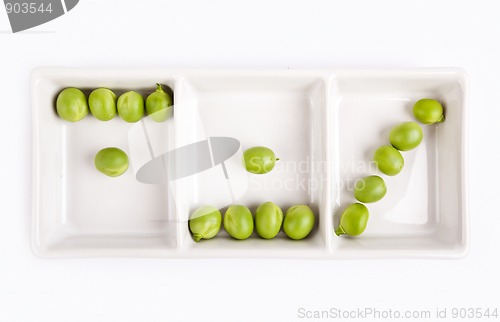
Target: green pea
268, 220
406, 136
102, 103
370, 189
159, 105
205, 223
428, 111
259, 159
112, 162
299, 221
131, 106
353, 220
238, 222
388, 160
71, 104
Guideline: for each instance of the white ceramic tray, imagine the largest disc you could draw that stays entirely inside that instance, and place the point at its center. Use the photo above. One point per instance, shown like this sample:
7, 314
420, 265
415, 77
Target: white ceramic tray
323, 125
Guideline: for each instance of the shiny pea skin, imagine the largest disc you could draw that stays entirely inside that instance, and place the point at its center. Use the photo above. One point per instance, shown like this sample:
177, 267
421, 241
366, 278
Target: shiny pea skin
406, 136
259, 159
268, 220
238, 222
71, 104
102, 103
428, 111
205, 223
389, 160
370, 189
112, 161
353, 220
131, 106
298, 222
159, 105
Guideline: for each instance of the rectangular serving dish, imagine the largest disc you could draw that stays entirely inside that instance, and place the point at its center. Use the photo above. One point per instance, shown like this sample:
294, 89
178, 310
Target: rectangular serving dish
322, 124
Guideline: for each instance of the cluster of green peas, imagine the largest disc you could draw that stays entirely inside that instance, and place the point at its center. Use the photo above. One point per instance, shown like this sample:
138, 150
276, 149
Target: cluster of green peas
72, 105
205, 222
403, 137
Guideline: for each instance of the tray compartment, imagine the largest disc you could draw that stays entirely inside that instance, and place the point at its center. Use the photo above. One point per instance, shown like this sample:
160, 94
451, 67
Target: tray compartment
78, 209
282, 111
424, 209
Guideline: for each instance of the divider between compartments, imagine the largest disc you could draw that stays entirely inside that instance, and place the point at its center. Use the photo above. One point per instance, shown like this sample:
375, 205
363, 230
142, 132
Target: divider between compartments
332, 160
186, 133
325, 208
180, 123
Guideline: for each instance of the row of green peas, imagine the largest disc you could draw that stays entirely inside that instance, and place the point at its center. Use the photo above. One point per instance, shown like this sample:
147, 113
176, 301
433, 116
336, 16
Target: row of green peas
72, 105
403, 137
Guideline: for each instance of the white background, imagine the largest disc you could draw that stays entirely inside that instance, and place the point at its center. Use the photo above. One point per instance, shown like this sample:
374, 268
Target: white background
250, 34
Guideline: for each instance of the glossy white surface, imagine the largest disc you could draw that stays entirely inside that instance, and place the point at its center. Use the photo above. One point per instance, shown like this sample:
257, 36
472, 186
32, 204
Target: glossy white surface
322, 124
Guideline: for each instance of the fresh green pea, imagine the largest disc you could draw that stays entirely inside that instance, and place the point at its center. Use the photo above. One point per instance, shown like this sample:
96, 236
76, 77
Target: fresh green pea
102, 103
428, 111
299, 221
205, 222
112, 162
406, 136
71, 104
131, 106
353, 220
388, 160
259, 159
370, 189
238, 222
268, 220
159, 105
